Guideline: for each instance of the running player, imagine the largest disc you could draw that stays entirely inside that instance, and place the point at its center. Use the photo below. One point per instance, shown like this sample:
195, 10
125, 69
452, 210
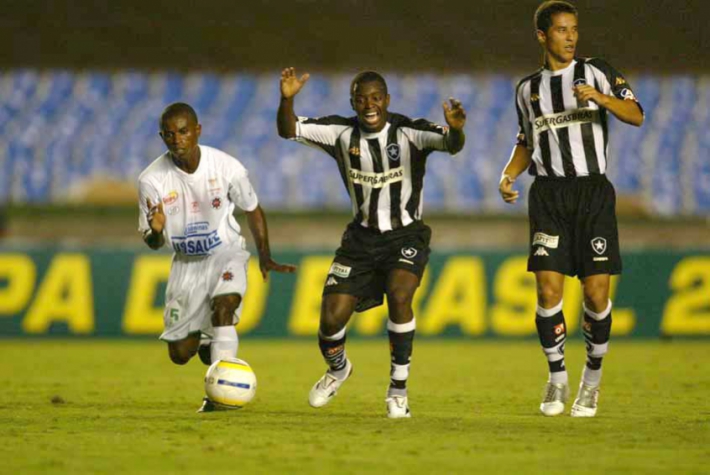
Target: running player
563, 141
187, 197
381, 157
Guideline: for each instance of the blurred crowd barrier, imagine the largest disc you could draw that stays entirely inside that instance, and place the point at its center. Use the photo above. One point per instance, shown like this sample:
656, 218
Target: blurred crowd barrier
62, 133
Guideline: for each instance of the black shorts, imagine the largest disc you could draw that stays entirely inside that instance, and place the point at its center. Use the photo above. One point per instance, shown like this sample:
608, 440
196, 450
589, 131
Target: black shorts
365, 258
573, 227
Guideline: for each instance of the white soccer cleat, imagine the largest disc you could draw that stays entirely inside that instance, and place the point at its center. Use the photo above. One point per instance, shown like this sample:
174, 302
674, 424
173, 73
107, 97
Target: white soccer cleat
397, 407
553, 402
586, 403
327, 387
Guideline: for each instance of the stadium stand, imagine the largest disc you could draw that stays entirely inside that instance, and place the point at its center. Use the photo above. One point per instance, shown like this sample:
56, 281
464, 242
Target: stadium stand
60, 130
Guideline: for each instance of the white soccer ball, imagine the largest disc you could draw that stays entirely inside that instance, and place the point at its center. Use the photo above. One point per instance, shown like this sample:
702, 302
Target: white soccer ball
230, 383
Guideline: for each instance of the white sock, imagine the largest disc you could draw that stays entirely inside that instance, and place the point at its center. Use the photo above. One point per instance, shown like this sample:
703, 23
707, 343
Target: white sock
225, 343
591, 377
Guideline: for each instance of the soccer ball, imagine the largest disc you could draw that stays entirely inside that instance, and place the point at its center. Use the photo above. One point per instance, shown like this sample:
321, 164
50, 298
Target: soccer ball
230, 383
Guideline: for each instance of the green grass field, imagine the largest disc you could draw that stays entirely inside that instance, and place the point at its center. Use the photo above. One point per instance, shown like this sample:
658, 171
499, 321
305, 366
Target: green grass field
121, 407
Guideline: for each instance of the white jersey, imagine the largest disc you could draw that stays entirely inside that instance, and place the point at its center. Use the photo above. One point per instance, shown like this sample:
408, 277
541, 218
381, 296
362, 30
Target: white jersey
198, 206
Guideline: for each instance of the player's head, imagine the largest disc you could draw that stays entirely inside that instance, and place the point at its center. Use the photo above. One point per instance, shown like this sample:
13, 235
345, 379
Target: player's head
556, 29
180, 129
370, 100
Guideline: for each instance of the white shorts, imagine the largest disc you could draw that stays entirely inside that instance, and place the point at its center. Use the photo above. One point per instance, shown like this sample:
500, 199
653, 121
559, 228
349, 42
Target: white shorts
194, 282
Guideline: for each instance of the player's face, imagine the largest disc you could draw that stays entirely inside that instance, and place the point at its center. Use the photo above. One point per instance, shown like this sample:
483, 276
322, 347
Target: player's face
180, 134
370, 102
560, 40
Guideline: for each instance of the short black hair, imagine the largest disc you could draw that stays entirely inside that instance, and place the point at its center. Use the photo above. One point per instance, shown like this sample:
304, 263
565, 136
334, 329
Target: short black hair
178, 108
543, 14
367, 76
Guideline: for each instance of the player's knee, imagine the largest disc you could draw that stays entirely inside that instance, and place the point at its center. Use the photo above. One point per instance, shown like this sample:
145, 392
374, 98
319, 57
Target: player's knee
596, 297
223, 309
333, 319
179, 355
400, 298
548, 296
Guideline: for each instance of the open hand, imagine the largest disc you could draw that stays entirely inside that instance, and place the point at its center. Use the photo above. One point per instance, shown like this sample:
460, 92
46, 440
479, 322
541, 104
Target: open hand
455, 114
290, 83
506, 190
156, 217
267, 264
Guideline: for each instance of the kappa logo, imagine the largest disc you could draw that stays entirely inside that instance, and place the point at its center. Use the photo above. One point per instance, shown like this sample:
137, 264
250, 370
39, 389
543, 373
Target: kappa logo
409, 252
355, 151
534, 98
540, 252
331, 281
620, 81
599, 245
393, 151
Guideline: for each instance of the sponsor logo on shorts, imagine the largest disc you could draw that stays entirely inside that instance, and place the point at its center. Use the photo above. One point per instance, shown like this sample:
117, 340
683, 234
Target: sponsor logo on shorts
409, 252
331, 281
393, 151
217, 203
406, 261
542, 239
600, 259
376, 180
340, 270
170, 198
565, 119
599, 245
227, 276
540, 252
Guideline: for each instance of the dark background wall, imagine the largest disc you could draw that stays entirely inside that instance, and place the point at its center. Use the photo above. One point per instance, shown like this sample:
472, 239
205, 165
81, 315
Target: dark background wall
440, 35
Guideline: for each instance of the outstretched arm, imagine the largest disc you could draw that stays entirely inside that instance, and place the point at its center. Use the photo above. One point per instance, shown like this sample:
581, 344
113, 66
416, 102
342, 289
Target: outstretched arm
260, 232
625, 110
456, 118
286, 117
519, 162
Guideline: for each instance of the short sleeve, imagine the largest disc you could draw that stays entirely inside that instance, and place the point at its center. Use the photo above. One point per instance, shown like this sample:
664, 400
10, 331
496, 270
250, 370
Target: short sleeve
145, 191
241, 193
426, 135
613, 83
523, 138
322, 132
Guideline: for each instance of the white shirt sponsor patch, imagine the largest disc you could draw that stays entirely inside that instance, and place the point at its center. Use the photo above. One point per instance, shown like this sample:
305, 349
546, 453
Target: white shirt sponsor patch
542, 239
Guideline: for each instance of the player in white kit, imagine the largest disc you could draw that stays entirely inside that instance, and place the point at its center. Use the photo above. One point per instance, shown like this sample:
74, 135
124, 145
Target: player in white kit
187, 197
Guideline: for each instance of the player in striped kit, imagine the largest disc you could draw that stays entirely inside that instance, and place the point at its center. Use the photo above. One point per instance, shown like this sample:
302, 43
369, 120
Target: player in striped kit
187, 197
563, 141
381, 157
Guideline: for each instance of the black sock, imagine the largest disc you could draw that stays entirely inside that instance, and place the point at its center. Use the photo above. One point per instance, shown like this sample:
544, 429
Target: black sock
333, 350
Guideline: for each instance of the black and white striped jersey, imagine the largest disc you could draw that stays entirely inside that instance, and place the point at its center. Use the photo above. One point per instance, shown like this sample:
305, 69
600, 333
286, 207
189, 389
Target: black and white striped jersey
566, 137
383, 172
